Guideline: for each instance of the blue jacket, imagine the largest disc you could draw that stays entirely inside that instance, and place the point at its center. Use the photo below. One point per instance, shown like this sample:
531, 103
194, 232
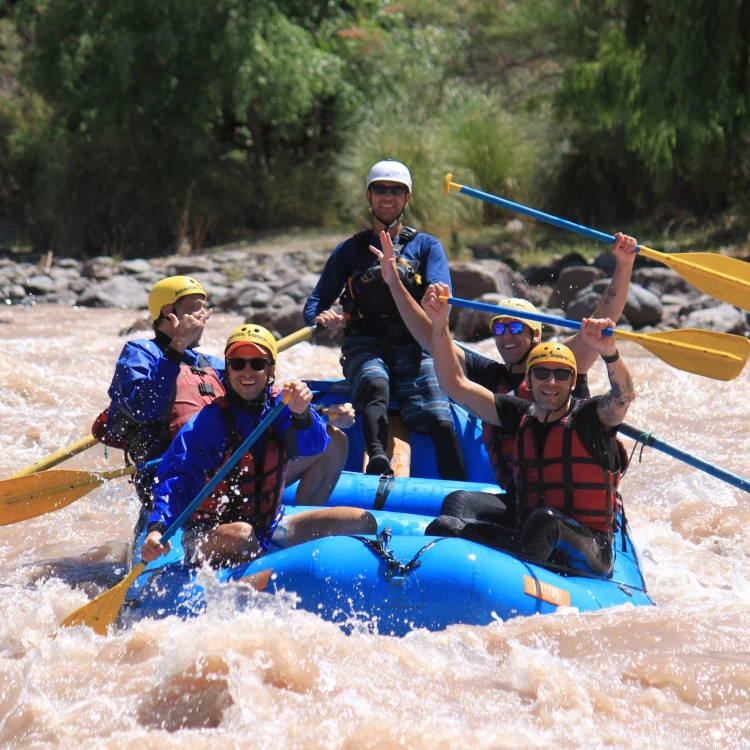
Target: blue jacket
142, 384
201, 447
424, 252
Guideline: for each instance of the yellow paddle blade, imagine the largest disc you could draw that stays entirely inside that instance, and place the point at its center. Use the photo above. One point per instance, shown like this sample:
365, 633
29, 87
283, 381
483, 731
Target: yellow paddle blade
37, 494
57, 458
727, 279
720, 356
102, 612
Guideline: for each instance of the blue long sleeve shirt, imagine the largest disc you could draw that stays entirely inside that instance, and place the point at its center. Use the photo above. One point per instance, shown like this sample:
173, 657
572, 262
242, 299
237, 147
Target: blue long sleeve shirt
200, 448
144, 377
424, 252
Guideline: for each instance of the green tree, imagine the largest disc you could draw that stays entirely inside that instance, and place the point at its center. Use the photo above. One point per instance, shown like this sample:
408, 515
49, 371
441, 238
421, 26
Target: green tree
170, 114
666, 84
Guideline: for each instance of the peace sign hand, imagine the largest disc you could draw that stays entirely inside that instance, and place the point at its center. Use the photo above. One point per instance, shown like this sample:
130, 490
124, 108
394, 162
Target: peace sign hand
387, 259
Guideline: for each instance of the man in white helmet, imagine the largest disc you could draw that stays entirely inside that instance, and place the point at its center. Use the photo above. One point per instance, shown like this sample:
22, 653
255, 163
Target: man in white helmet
380, 355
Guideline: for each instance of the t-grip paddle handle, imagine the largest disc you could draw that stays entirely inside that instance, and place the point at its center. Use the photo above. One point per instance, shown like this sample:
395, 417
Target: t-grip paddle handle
526, 211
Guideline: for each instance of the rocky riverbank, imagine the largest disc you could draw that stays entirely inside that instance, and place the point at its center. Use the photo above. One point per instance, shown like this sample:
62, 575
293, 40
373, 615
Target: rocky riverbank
270, 288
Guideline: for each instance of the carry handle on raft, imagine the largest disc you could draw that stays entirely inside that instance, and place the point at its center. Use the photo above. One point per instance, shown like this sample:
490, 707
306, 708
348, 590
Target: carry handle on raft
102, 612
716, 355
724, 278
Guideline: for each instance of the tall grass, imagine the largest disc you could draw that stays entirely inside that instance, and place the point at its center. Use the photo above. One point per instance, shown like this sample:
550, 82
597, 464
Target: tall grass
470, 134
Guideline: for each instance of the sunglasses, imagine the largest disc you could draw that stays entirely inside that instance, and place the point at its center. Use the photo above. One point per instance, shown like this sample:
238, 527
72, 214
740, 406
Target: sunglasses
515, 327
542, 373
379, 189
238, 364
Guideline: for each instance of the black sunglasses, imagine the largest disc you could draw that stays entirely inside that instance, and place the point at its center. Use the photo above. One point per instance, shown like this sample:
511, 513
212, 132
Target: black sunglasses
542, 373
379, 189
515, 327
238, 364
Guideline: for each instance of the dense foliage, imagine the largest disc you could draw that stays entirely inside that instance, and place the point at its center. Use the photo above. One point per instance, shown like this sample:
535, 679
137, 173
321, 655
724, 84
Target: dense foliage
130, 126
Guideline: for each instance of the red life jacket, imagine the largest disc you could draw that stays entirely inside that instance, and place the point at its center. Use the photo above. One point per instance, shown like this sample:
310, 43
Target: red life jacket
566, 476
252, 491
196, 386
500, 444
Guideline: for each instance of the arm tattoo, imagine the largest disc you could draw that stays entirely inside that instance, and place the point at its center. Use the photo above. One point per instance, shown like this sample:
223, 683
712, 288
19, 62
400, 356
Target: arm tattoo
444, 332
611, 294
617, 395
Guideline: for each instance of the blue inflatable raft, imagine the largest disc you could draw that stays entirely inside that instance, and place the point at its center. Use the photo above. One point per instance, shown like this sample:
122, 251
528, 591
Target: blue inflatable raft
401, 579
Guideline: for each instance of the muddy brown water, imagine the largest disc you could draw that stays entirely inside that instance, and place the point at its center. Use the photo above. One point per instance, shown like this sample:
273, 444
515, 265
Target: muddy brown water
672, 676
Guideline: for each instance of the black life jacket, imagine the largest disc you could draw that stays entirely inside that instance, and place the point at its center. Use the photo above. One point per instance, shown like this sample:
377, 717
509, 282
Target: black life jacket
367, 300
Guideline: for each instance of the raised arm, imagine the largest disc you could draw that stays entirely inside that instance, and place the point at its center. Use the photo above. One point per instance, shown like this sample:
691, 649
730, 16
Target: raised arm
613, 406
416, 320
451, 378
612, 302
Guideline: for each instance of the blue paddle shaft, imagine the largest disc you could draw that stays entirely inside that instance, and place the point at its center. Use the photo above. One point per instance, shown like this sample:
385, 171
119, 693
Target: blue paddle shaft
148, 465
223, 471
511, 313
698, 463
540, 215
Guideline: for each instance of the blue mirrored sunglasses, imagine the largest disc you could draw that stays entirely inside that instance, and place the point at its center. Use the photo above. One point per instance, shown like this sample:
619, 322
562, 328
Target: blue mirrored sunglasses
515, 327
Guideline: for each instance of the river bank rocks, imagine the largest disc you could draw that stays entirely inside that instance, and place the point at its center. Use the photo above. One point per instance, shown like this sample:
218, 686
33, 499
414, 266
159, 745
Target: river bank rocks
270, 288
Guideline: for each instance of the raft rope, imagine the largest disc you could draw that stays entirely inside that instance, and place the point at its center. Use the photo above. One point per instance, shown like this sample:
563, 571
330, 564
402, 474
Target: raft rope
643, 438
385, 485
397, 571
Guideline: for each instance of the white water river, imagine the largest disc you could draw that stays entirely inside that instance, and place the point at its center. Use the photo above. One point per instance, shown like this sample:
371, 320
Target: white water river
672, 676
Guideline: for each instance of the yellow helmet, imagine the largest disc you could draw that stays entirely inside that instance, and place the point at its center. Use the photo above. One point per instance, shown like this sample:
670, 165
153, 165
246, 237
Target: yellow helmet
169, 290
522, 305
552, 354
252, 334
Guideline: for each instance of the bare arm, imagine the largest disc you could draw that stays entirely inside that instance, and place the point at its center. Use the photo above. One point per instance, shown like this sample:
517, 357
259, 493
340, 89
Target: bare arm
416, 320
612, 302
613, 406
453, 382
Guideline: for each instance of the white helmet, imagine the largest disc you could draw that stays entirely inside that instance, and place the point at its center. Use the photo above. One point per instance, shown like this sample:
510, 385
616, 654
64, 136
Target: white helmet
389, 171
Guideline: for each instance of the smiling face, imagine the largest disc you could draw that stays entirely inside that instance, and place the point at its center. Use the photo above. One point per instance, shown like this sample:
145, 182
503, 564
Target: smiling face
387, 208
514, 347
550, 394
249, 383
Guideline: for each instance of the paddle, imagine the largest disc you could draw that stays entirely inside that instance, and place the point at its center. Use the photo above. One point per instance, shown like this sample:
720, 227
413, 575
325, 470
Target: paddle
724, 278
23, 496
647, 438
102, 612
304, 334
58, 457
720, 356
26, 497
